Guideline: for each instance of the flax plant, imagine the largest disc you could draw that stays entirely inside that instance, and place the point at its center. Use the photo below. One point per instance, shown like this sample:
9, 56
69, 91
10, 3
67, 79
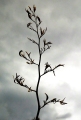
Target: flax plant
35, 19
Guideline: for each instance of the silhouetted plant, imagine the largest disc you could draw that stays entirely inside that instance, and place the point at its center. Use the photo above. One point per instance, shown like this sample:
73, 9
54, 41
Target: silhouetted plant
29, 60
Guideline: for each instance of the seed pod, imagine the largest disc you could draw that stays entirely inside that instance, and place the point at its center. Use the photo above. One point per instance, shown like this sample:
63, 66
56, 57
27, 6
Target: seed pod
34, 8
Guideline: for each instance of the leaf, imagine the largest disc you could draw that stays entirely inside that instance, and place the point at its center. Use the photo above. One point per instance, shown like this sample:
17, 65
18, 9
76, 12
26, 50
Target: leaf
39, 19
62, 102
29, 24
46, 97
28, 62
29, 8
21, 53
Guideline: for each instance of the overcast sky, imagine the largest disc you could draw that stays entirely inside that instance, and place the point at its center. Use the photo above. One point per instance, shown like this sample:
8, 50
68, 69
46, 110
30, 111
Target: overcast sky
63, 21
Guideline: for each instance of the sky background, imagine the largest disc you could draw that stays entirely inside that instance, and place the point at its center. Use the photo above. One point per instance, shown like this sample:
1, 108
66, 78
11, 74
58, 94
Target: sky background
63, 21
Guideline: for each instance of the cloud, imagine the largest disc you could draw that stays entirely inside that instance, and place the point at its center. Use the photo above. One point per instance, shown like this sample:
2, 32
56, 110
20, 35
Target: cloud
65, 116
62, 19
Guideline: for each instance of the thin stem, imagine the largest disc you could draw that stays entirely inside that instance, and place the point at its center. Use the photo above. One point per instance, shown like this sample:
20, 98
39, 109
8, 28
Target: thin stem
47, 72
38, 111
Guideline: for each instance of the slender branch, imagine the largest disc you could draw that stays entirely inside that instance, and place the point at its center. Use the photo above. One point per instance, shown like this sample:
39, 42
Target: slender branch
46, 72
33, 41
52, 69
30, 61
44, 49
46, 104
20, 82
53, 100
26, 87
33, 29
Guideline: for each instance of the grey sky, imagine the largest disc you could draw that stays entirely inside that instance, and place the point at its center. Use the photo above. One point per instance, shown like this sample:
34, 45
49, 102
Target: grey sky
63, 21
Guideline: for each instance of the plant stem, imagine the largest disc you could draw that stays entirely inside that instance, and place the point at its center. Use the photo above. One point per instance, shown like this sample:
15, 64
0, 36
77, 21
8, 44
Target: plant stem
37, 96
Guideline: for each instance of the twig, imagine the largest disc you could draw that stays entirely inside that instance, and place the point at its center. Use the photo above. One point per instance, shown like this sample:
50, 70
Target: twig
33, 41
52, 69
19, 81
54, 100
33, 30
44, 49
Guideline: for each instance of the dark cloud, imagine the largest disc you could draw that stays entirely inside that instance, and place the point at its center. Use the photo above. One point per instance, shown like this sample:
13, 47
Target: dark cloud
16, 105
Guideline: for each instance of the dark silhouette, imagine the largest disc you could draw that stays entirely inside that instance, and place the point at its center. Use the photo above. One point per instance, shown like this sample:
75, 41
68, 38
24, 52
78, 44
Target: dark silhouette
27, 55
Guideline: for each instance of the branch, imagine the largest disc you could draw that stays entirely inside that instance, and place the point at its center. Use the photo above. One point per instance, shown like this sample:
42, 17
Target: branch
44, 49
33, 41
58, 66
46, 72
54, 100
30, 15
33, 29
20, 81
30, 27
52, 69
22, 54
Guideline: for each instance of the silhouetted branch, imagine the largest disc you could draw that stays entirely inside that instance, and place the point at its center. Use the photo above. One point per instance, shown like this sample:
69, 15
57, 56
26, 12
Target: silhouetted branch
44, 49
33, 29
54, 100
20, 81
33, 41
52, 69
30, 60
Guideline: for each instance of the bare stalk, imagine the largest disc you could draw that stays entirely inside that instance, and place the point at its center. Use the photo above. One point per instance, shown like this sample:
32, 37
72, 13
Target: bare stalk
37, 96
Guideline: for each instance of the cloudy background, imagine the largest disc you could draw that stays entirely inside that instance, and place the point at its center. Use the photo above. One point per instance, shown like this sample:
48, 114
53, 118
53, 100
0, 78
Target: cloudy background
63, 21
